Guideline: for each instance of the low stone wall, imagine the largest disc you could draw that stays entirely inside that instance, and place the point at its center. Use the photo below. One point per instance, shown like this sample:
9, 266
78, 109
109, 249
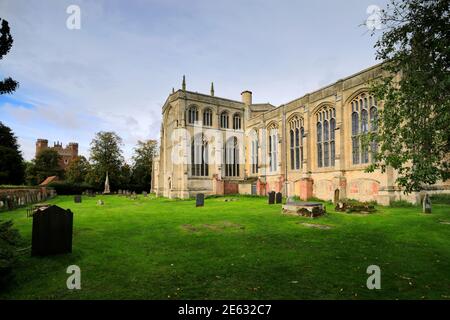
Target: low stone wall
15, 198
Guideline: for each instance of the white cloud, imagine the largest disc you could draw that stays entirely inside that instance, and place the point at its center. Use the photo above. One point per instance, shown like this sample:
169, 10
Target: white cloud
116, 72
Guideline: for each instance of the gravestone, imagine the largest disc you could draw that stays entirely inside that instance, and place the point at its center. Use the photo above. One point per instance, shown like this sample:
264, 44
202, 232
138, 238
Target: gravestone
278, 197
106, 191
336, 197
100, 202
52, 231
144, 193
200, 200
426, 204
77, 199
272, 197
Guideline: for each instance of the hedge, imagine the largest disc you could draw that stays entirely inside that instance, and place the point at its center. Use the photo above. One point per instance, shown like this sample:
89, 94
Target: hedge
67, 188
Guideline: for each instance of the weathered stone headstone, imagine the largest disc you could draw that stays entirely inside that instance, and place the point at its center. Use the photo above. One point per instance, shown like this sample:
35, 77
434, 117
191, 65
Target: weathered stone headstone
200, 200
77, 199
426, 204
144, 193
272, 197
278, 197
336, 197
52, 231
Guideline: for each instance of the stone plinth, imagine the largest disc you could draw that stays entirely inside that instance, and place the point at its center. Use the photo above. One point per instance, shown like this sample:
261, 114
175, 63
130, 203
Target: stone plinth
306, 209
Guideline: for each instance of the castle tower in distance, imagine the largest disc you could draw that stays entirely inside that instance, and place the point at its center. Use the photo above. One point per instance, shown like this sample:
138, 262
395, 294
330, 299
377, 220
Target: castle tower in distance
67, 153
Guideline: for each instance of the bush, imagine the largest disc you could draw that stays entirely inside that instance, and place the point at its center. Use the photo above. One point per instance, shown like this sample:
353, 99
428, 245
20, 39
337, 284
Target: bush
351, 206
9, 240
67, 188
401, 204
440, 198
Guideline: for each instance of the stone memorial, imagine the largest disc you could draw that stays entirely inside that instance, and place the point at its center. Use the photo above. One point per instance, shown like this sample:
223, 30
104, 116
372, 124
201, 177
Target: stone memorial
145, 194
100, 202
305, 209
51, 231
106, 191
200, 200
336, 197
77, 199
426, 204
272, 197
278, 197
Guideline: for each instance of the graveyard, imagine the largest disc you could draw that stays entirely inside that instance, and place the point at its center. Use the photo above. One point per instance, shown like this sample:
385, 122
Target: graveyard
237, 247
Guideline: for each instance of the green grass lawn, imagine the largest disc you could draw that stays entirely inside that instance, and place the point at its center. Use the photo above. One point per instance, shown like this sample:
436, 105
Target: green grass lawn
244, 249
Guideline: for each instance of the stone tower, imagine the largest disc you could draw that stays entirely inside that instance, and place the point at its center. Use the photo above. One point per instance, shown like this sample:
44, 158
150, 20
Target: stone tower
67, 154
41, 145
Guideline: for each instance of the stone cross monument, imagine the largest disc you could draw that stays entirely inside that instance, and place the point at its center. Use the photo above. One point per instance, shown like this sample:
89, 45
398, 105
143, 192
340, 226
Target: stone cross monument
106, 185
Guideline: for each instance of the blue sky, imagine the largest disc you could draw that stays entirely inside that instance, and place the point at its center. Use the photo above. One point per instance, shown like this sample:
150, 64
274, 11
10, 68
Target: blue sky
117, 70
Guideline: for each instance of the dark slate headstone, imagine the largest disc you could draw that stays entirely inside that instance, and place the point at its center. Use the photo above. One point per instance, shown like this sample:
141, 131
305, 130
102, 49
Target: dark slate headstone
144, 193
200, 200
52, 231
77, 199
272, 197
278, 197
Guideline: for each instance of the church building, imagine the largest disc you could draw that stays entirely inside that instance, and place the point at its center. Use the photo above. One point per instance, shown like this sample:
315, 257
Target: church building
308, 147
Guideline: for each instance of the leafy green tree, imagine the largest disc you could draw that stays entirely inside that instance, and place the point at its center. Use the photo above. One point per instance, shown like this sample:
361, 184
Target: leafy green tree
9, 241
143, 163
106, 156
30, 173
414, 124
7, 85
46, 164
12, 169
77, 170
125, 177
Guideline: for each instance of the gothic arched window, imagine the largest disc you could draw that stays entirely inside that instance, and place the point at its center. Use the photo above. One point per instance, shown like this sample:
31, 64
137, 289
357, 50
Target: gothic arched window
326, 125
207, 117
199, 156
237, 121
232, 157
224, 120
364, 119
296, 142
254, 151
192, 114
273, 149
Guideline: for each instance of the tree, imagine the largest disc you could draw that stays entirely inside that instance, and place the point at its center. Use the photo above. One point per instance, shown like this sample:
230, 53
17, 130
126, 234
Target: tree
12, 169
9, 242
77, 170
414, 125
106, 156
143, 163
45, 165
8, 85
125, 177
30, 173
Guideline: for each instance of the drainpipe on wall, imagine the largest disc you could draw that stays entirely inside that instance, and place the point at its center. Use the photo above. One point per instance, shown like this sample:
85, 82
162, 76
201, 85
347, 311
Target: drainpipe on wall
286, 182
